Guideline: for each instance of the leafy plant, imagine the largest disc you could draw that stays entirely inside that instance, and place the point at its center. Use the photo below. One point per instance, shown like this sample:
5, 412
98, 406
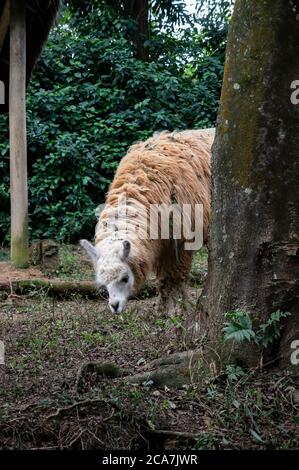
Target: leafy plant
89, 99
233, 372
270, 331
239, 328
208, 441
135, 395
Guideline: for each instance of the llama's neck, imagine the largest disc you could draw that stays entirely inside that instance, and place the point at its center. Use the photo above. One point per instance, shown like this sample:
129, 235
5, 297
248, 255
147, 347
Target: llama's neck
123, 219
127, 220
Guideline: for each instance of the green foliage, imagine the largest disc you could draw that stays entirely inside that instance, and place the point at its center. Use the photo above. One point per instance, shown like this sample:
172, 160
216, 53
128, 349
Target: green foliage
135, 396
93, 338
233, 372
90, 99
239, 328
208, 441
270, 331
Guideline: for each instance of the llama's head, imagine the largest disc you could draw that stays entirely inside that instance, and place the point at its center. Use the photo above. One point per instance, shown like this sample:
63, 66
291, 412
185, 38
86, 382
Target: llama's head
113, 272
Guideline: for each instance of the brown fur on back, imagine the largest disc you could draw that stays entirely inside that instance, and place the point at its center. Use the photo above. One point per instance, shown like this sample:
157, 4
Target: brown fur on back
165, 168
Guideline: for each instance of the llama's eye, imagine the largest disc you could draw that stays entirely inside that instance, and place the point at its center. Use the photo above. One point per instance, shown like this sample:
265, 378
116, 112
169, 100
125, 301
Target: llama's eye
124, 279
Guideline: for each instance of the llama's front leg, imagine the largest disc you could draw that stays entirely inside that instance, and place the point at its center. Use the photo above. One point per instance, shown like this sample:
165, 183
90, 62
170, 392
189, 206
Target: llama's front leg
172, 283
171, 297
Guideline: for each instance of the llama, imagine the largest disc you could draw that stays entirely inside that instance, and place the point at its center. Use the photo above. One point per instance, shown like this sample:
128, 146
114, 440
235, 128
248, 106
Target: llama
169, 169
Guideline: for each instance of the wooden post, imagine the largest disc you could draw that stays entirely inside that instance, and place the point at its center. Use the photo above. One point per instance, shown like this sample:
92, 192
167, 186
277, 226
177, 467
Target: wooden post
17, 135
4, 23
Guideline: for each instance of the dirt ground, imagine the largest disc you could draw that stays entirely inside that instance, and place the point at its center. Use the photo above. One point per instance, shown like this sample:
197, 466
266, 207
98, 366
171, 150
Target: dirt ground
9, 273
46, 341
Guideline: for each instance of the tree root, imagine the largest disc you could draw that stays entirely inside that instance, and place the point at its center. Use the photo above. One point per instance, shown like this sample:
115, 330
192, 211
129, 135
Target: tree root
55, 287
89, 402
98, 371
63, 289
174, 371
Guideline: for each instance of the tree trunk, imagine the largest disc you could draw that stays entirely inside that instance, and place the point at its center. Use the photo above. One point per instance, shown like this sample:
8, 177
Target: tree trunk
17, 135
254, 247
138, 10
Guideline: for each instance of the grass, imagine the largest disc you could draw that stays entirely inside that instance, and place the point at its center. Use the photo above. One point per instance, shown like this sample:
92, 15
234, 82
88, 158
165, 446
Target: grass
47, 340
73, 264
199, 267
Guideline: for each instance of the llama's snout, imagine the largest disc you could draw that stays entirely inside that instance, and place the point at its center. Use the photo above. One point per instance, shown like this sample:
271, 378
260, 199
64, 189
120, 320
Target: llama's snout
117, 303
114, 307
120, 291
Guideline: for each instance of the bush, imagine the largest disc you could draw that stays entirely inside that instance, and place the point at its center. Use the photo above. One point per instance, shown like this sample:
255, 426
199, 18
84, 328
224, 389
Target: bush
88, 101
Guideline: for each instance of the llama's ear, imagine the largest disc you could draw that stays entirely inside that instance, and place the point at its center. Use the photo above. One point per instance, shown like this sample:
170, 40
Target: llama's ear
126, 249
90, 249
